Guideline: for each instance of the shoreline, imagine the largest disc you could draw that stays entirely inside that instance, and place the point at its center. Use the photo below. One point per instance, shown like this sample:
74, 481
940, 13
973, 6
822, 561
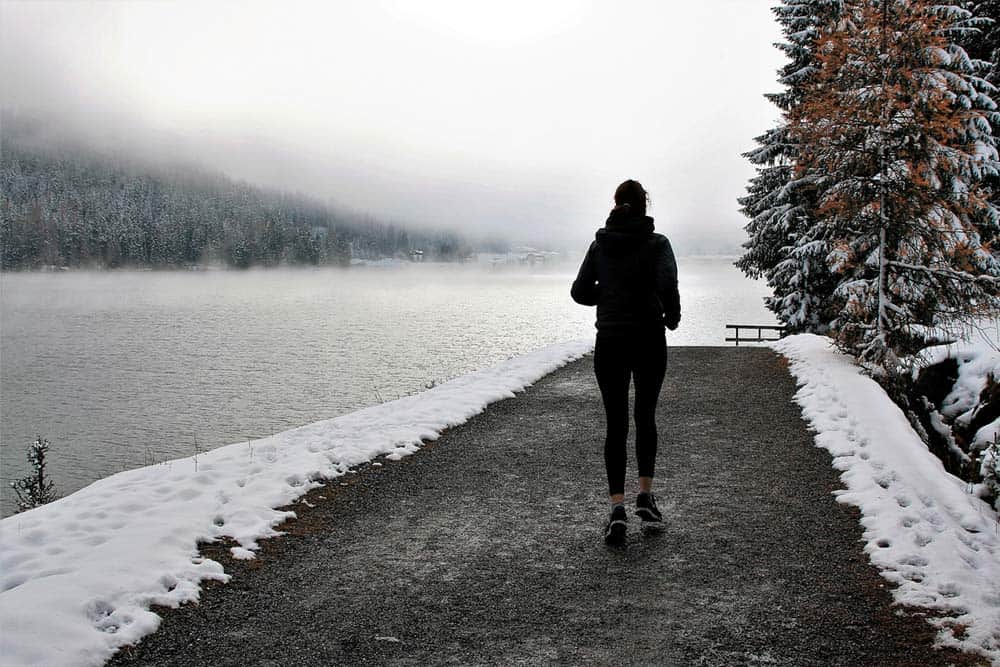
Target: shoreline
234, 491
218, 529
570, 264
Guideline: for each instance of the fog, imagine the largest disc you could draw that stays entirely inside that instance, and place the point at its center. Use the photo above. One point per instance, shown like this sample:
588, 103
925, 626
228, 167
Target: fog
513, 119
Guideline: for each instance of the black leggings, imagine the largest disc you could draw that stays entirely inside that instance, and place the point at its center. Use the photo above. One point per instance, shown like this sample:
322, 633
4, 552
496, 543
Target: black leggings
617, 359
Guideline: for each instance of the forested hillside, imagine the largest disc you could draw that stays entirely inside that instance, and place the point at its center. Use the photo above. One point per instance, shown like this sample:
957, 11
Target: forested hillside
74, 207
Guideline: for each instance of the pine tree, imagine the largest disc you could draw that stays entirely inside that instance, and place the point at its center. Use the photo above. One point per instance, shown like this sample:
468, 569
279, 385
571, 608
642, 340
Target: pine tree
981, 40
779, 205
894, 135
37, 488
980, 36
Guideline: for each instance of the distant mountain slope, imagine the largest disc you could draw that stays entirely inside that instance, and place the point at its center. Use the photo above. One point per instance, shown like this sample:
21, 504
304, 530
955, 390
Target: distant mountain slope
75, 207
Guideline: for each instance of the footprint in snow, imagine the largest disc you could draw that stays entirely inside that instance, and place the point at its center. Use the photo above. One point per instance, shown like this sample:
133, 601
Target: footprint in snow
969, 542
914, 560
35, 536
949, 590
98, 610
168, 582
188, 494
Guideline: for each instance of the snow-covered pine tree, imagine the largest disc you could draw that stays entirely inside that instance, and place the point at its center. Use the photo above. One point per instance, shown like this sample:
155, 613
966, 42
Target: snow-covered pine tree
37, 488
779, 205
894, 133
980, 37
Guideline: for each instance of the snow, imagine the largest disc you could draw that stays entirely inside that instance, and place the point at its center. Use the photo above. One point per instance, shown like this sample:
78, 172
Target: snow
930, 537
976, 363
78, 575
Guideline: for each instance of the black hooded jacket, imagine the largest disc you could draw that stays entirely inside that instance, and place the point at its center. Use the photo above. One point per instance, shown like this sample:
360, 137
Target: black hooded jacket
630, 274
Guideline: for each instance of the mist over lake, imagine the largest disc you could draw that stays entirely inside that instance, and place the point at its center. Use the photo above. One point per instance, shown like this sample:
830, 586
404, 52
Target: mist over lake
120, 369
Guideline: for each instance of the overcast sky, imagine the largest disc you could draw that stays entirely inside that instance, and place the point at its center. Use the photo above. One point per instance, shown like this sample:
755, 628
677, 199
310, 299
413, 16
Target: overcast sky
515, 117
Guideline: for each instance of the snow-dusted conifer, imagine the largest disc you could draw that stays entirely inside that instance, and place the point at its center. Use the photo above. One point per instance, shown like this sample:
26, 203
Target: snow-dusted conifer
894, 134
981, 40
979, 35
37, 488
779, 205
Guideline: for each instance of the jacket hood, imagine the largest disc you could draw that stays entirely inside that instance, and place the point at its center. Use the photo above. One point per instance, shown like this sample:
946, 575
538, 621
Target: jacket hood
624, 232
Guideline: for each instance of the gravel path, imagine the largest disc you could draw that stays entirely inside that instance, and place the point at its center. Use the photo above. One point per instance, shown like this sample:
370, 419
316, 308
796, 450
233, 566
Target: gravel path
485, 547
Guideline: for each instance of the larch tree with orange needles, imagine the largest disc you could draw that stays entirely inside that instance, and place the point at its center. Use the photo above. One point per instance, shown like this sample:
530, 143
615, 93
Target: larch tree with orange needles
894, 137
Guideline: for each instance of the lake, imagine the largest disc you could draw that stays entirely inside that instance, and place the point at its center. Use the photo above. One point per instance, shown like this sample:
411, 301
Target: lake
121, 369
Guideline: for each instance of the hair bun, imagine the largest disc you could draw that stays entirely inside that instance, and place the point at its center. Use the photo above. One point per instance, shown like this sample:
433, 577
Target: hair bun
631, 197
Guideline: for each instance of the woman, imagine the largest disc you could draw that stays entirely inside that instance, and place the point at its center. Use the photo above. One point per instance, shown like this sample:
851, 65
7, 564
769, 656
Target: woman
630, 274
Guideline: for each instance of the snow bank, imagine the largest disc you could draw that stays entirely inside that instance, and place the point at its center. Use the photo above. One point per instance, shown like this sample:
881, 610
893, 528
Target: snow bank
922, 528
78, 575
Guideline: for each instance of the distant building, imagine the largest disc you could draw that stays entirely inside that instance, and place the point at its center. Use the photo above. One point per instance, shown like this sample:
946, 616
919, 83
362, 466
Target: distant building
521, 256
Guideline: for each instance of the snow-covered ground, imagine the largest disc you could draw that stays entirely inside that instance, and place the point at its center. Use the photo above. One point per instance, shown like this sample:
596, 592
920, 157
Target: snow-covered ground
977, 362
923, 528
77, 576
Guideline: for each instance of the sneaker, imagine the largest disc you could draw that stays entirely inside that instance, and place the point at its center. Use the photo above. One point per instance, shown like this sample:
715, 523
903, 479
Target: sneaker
615, 531
645, 509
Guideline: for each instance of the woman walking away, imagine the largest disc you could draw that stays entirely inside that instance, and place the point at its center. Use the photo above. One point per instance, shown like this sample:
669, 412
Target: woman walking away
630, 274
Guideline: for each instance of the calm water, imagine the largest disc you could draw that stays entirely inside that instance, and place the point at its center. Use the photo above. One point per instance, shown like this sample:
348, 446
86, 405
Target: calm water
120, 369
